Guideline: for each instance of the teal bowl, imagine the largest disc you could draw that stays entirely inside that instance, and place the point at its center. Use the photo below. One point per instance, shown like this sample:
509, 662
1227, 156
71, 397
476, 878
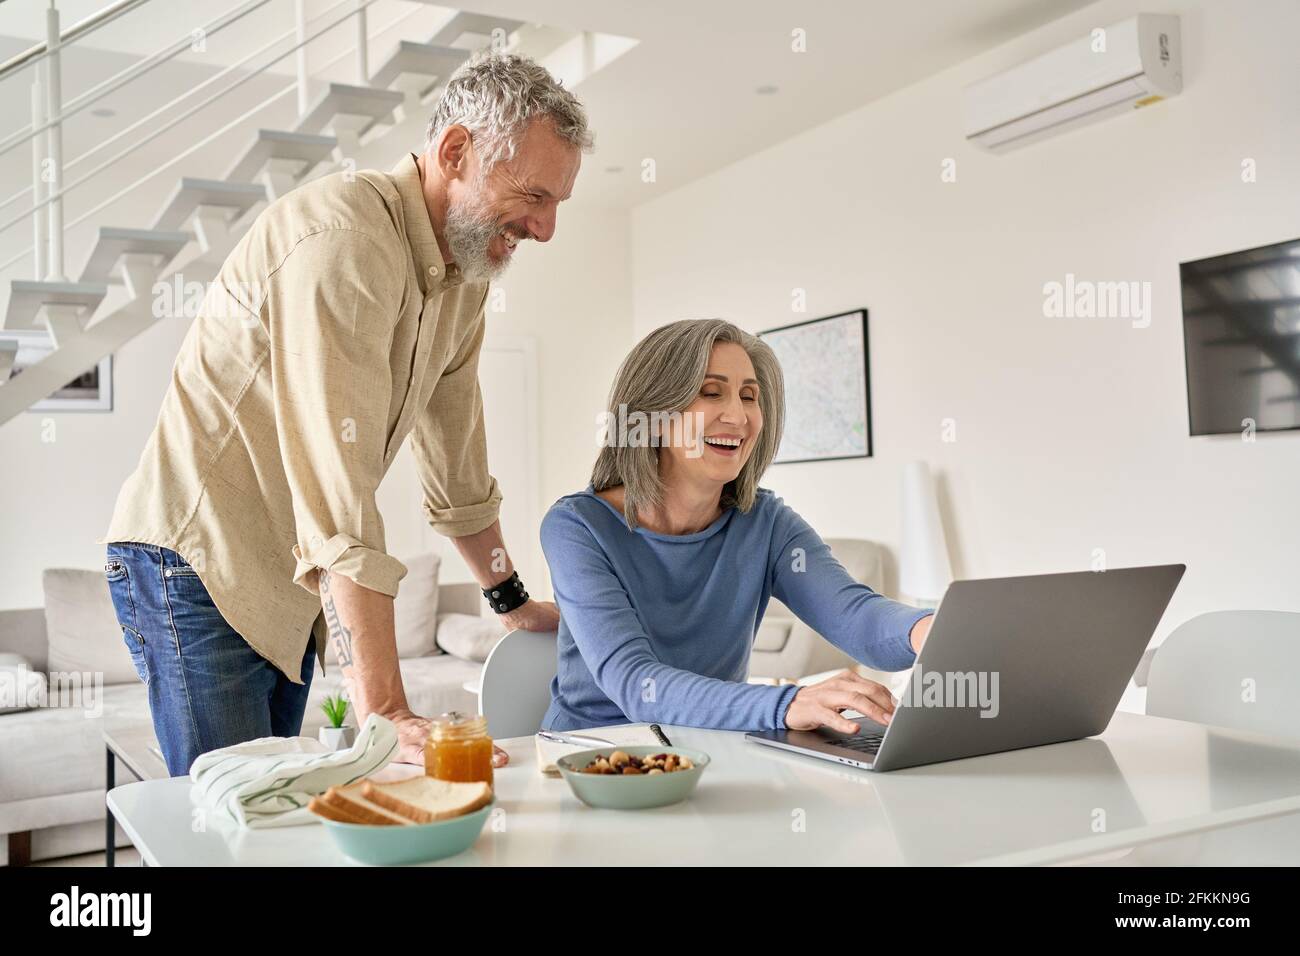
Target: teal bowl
418, 843
639, 792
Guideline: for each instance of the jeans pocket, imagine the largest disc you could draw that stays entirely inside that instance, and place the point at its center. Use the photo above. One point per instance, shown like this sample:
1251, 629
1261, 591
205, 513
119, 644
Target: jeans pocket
135, 644
175, 566
118, 576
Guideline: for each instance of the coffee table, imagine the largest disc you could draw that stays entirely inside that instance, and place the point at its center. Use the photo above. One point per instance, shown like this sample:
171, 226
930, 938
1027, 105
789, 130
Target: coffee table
134, 744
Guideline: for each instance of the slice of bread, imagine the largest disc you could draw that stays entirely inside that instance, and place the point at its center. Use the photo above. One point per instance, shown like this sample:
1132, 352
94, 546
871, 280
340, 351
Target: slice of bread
350, 805
318, 806
424, 799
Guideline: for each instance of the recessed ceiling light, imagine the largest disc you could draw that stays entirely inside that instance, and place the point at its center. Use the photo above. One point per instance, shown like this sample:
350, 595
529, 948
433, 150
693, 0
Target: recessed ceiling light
767, 89
103, 112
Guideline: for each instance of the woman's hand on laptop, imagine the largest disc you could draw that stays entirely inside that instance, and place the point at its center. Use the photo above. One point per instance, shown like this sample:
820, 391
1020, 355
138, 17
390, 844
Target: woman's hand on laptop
819, 705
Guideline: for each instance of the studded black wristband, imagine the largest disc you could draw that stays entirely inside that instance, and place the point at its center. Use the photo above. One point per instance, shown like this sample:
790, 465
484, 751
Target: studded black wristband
507, 595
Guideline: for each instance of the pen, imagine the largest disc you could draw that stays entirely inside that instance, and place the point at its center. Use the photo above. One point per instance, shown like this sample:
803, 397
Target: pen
659, 734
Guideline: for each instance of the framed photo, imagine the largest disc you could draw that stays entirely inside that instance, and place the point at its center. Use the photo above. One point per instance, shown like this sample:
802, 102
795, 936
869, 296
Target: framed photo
827, 387
92, 391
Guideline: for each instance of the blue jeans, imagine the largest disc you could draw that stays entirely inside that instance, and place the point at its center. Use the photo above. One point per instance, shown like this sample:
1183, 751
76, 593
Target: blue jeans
207, 687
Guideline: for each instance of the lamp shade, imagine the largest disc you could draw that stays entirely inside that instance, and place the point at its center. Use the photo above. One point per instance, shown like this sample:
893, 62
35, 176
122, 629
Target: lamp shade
924, 572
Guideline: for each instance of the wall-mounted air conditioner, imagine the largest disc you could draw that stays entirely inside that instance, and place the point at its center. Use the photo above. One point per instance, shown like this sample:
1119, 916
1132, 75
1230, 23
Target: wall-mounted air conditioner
1127, 65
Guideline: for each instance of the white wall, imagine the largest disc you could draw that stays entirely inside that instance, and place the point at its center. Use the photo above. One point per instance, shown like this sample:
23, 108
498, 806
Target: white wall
1071, 434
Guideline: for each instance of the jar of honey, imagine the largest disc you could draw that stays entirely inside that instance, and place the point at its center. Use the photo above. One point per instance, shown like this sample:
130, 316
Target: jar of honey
459, 749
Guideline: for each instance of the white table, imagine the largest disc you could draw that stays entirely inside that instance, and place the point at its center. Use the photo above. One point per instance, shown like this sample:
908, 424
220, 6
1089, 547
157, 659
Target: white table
135, 745
1145, 779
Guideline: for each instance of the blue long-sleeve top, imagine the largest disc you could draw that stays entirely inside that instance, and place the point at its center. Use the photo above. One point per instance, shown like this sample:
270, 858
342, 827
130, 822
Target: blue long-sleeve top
659, 628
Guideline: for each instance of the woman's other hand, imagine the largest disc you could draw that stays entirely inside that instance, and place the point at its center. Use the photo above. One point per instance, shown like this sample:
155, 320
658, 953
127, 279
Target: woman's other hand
819, 705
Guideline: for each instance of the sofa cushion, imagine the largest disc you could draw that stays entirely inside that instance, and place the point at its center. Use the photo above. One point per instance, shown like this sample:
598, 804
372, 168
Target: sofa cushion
436, 685
21, 688
469, 637
82, 626
58, 750
415, 609
22, 631
772, 634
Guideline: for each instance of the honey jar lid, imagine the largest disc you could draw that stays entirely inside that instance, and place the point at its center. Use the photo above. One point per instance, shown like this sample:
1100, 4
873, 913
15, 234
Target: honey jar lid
455, 724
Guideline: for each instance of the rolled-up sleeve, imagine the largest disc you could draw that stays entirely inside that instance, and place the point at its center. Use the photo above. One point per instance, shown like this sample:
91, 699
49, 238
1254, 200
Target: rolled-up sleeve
450, 444
333, 304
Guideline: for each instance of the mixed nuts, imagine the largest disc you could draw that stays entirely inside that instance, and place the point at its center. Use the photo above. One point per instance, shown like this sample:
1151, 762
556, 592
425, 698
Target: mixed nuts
623, 763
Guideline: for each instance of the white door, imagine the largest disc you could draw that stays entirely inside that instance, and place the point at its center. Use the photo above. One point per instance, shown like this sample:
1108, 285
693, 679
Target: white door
508, 379
507, 375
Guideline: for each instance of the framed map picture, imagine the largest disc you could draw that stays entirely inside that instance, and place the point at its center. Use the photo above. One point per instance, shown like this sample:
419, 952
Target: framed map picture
827, 387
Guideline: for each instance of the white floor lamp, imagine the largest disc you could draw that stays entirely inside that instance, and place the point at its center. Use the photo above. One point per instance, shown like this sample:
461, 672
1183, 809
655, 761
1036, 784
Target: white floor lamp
924, 572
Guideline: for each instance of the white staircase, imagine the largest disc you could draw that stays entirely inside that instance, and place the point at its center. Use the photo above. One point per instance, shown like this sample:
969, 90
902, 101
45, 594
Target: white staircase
361, 107
112, 299
418, 68
113, 243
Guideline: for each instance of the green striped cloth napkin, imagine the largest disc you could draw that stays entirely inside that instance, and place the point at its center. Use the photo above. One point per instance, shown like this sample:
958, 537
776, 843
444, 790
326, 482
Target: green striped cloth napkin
267, 782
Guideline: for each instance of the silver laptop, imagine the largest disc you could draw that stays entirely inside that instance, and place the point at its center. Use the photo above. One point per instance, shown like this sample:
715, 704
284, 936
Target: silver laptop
1009, 663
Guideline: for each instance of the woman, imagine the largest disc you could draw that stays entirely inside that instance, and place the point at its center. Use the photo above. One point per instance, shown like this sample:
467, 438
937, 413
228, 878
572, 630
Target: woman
663, 566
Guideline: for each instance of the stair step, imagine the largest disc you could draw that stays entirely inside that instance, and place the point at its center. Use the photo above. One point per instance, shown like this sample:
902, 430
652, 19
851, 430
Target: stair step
424, 59
354, 100
27, 296
192, 193
269, 144
114, 242
479, 23
8, 352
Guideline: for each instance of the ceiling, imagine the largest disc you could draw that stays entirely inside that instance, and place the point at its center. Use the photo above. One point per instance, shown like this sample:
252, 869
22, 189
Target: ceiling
685, 95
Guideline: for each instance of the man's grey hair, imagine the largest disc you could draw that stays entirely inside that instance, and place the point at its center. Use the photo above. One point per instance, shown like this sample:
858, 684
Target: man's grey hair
664, 373
494, 95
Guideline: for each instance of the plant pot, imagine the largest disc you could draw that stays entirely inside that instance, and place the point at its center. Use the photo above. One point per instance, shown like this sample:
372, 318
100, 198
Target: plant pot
338, 738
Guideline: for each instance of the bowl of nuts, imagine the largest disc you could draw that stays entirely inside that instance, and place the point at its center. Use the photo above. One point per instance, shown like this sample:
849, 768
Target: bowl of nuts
633, 778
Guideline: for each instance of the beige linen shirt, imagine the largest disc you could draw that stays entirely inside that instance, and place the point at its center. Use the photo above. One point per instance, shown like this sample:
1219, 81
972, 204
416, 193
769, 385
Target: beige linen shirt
333, 330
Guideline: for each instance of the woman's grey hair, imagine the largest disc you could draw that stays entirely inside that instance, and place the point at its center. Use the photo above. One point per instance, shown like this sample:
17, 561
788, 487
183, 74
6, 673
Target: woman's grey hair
494, 95
664, 373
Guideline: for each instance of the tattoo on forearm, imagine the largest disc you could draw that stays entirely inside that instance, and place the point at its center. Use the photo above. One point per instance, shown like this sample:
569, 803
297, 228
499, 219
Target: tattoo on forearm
339, 634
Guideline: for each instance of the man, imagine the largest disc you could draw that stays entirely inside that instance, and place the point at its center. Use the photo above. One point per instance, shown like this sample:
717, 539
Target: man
350, 315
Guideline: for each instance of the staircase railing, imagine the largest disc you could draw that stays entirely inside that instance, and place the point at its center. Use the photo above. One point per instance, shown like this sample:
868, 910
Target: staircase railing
112, 297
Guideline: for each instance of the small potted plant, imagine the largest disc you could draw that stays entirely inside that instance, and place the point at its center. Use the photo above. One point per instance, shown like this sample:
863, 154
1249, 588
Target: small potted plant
335, 736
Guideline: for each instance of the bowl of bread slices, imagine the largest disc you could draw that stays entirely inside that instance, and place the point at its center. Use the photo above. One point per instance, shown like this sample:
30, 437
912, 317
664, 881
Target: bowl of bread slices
407, 821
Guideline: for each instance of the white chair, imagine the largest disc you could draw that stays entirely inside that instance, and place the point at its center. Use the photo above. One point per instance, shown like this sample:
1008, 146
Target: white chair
515, 688
1238, 669
1200, 674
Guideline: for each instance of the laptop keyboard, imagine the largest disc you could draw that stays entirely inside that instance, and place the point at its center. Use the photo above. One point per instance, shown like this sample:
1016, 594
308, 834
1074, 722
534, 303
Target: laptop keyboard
862, 743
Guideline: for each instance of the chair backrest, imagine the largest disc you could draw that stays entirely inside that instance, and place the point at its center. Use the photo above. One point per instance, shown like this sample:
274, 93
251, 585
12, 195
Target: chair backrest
1238, 669
515, 688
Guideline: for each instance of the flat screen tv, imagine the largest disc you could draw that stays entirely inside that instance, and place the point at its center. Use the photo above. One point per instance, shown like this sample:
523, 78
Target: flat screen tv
1241, 335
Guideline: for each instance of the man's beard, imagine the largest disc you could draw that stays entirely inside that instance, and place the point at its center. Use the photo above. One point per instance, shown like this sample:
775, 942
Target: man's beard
470, 230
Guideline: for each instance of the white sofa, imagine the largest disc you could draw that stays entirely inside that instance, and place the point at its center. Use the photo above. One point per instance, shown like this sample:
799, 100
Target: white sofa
52, 758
